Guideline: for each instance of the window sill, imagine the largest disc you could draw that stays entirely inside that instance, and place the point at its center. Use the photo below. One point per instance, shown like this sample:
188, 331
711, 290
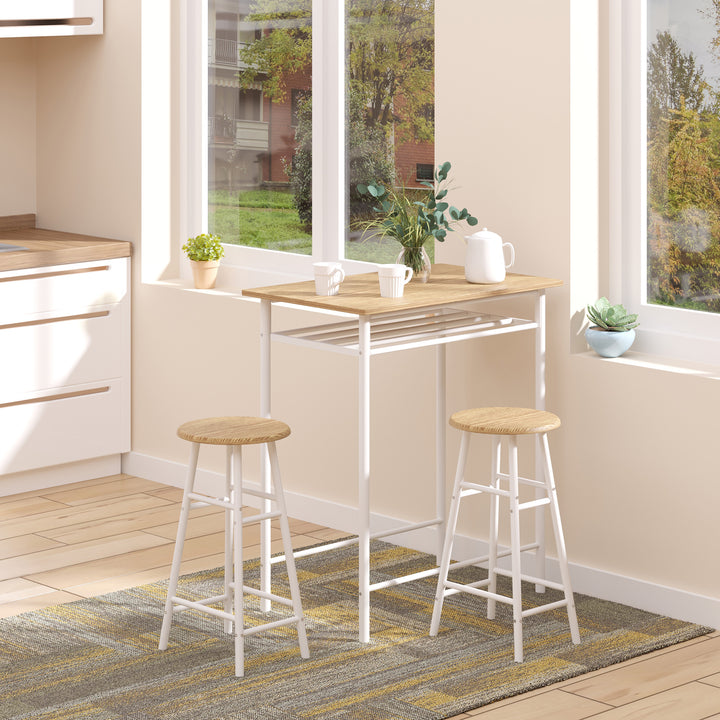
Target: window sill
658, 363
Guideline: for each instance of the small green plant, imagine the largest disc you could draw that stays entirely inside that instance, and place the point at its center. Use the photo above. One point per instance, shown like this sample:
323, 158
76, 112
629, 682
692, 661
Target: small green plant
413, 222
611, 317
204, 247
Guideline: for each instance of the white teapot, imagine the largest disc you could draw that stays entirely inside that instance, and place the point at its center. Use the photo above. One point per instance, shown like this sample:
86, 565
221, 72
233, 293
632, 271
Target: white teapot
485, 257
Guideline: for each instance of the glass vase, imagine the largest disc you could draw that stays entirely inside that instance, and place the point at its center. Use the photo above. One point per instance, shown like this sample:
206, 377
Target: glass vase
418, 259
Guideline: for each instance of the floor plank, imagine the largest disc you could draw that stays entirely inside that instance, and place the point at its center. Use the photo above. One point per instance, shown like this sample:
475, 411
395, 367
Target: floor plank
552, 705
693, 701
102, 491
656, 674
61, 517
44, 561
123, 522
26, 544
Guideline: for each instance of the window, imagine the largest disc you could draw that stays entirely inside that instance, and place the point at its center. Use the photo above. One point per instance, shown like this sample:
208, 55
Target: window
282, 73
666, 190
424, 171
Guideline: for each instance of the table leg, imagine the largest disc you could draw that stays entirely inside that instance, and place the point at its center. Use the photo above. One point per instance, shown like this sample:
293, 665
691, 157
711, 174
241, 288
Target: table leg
265, 372
440, 445
540, 405
364, 479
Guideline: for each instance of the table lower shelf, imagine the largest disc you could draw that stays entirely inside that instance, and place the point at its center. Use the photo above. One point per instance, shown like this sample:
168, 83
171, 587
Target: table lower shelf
391, 332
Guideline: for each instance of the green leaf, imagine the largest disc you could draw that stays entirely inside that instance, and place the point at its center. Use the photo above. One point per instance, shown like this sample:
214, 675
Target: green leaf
362, 189
472, 221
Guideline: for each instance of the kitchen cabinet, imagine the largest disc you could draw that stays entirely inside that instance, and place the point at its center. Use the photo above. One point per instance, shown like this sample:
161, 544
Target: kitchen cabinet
64, 357
50, 18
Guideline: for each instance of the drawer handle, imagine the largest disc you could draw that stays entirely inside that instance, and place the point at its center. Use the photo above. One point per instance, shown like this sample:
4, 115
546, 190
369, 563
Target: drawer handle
46, 321
59, 396
57, 273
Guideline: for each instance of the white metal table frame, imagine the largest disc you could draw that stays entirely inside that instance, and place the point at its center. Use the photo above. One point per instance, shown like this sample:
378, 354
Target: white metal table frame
371, 334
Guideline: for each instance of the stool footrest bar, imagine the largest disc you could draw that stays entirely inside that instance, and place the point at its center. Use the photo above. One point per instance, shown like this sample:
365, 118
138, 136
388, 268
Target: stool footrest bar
532, 579
524, 480
469, 488
204, 500
260, 517
460, 587
534, 503
266, 595
545, 607
404, 529
315, 550
258, 493
404, 579
202, 606
269, 626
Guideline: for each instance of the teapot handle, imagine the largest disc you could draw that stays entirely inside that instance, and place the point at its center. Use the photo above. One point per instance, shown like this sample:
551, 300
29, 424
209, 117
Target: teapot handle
512, 254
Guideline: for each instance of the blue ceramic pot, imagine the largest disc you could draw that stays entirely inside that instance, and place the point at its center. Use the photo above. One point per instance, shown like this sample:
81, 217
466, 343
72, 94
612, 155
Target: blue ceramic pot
609, 343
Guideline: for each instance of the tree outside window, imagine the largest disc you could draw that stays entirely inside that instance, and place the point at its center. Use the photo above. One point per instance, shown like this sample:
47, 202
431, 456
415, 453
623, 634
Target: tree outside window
683, 154
389, 127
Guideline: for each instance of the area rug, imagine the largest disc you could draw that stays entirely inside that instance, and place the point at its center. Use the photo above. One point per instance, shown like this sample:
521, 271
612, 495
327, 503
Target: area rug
97, 659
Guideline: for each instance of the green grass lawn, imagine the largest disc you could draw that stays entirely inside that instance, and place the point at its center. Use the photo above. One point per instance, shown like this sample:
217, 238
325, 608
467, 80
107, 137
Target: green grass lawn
267, 219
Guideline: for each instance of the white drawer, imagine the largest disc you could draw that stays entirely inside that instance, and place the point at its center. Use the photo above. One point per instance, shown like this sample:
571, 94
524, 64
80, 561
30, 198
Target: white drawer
64, 351
25, 294
79, 423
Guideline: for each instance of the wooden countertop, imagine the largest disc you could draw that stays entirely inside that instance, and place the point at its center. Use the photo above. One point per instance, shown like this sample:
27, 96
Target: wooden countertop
51, 247
360, 294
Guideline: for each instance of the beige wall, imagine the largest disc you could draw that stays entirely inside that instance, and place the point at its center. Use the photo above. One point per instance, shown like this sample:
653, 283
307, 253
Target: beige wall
635, 459
17, 126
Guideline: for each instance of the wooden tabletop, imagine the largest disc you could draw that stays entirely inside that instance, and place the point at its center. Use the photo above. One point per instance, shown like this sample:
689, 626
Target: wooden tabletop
51, 247
360, 294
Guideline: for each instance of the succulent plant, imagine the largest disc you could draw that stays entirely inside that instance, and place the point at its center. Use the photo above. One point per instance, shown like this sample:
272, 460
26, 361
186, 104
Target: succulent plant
611, 317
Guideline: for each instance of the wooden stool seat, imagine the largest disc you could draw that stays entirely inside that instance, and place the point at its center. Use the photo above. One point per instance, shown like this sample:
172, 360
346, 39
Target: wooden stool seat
233, 430
504, 425
505, 421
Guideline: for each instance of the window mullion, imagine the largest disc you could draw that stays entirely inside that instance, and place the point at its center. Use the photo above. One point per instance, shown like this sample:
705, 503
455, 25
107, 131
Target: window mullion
328, 127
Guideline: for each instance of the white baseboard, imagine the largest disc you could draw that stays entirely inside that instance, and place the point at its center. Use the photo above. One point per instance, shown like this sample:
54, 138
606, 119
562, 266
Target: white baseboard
56, 475
673, 602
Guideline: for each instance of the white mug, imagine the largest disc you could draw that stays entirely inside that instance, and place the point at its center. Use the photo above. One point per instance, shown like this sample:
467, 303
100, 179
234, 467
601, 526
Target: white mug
328, 276
393, 279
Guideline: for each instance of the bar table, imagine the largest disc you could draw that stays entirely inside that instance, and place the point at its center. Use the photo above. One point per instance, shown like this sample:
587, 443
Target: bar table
435, 313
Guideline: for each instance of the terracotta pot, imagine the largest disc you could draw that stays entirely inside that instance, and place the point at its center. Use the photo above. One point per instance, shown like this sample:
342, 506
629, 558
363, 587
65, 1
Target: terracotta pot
204, 273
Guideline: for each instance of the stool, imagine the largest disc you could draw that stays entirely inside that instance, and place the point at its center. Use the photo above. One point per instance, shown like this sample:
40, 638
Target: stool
234, 432
510, 422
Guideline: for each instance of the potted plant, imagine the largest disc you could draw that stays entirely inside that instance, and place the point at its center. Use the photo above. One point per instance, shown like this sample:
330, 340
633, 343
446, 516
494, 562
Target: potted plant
204, 252
613, 329
413, 222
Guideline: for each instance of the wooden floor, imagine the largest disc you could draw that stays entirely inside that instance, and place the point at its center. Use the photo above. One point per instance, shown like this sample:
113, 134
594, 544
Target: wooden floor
93, 537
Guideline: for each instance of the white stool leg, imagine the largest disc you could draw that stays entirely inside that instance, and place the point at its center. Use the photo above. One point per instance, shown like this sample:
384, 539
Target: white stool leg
179, 543
238, 579
227, 601
449, 535
560, 540
515, 547
494, 520
287, 547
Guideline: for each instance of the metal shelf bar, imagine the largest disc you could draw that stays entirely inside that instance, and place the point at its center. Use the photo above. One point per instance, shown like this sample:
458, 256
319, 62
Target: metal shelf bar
402, 331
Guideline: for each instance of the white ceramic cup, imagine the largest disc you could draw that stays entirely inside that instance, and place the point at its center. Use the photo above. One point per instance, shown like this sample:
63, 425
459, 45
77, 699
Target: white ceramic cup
393, 279
328, 276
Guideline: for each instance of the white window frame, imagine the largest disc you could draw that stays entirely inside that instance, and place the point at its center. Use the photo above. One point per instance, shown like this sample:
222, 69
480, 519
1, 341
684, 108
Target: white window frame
680, 334
255, 265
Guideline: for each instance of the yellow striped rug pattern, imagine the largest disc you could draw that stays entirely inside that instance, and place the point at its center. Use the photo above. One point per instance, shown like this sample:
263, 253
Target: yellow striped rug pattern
97, 659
